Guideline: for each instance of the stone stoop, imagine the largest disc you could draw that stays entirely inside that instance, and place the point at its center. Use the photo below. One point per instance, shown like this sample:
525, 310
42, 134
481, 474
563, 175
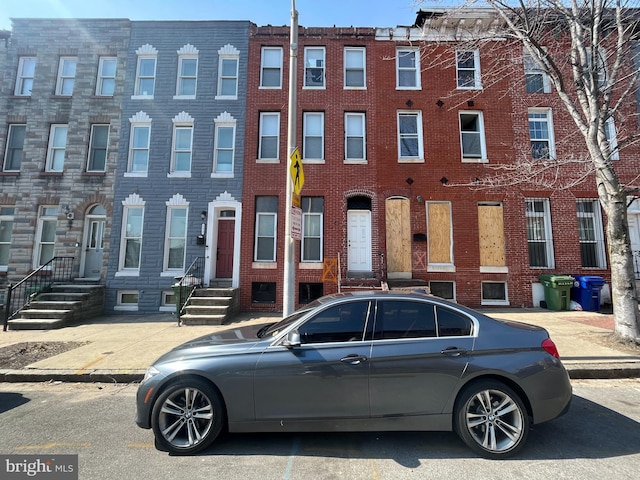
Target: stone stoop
65, 304
211, 306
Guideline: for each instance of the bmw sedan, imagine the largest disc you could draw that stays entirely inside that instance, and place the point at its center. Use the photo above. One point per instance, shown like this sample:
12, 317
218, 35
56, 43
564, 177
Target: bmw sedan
362, 361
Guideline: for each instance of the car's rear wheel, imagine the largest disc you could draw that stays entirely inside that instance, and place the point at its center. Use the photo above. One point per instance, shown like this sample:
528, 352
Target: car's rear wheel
187, 417
491, 419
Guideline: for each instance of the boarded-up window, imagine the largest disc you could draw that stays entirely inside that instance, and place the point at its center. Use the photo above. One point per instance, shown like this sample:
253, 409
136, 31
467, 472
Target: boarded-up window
491, 235
439, 233
398, 235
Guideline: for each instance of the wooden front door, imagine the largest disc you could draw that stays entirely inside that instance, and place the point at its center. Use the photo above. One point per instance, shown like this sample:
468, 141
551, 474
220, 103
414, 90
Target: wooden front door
224, 256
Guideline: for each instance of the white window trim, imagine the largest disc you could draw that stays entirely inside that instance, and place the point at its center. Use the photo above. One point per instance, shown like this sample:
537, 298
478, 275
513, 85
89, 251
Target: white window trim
9, 219
549, 119
140, 119
420, 157
182, 120
91, 141
323, 68
477, 79
224, 120
363, 119
418, 77
263, 67
145, 52
306, 159
531, 68
612, 138
363, 50
188, 52
21, 77
177, 202
101, 77
598, 228
127, 307
483, 145
228, 52
132, 202
62, 78
44, 217
546, 216
275, 238
495, 302
304, 236
51, 149
261, 136
166, 306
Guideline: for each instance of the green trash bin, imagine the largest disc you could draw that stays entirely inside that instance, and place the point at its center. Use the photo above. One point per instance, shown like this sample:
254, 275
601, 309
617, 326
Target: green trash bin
181, 293
557, 290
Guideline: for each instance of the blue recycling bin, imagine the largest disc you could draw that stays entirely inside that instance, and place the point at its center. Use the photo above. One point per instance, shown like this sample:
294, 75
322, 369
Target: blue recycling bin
586, 291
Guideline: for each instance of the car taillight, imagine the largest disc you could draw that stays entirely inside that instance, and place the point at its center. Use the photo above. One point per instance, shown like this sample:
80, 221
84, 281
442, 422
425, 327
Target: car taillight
550, 347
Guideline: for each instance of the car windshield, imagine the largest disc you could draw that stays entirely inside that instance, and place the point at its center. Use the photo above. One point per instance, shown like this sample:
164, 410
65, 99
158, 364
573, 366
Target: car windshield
274, 329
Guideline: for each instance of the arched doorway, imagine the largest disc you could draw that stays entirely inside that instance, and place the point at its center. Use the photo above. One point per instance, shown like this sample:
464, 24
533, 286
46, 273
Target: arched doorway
359, 235
93, 242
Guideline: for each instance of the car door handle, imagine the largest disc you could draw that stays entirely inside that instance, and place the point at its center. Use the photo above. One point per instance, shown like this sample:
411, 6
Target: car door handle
354, 359
453, 351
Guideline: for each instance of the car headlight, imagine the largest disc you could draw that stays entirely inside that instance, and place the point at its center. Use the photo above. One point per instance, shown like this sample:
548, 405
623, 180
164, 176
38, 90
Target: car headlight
151, 372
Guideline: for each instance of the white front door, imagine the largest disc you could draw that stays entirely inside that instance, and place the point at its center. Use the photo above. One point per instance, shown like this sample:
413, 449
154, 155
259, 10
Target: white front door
94, 247
359, 240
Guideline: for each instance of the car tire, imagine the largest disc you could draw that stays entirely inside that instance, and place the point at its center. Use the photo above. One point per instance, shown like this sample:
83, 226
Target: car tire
187, 417
491, 419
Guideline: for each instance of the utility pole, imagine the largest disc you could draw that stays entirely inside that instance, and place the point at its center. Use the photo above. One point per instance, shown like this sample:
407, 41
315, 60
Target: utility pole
288, 303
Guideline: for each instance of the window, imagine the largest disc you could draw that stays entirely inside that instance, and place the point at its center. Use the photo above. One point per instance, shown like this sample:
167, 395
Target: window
6, 230
354, 67
536, 80
15, 146
106, 83
187, 72
314, 67
452, 323
410, 145
139, 138
341, 323
131, 242
181, 150
591, 235
57, 148
266, 223
468, 69
25, 76
402, 319
472, 137
224, 145
494, 293
168, 301
541, 134
263, 292
439, 236
175, 238
307, 292
539, 233
228, 72
408, 69
312, 229
127, 300
355, 140
313, 142
269, 147
98, 148
610, 133
146, 71
446, 290
66, 75
271, 67
491, 238
46, 235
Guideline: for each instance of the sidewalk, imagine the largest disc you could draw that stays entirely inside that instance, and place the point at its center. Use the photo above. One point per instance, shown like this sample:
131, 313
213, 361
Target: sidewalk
119, 348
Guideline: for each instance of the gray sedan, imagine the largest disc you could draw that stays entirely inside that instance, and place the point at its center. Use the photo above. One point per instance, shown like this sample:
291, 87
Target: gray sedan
363, 361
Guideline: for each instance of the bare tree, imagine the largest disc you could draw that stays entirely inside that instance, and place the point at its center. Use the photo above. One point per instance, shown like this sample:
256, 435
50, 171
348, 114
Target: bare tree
589, 51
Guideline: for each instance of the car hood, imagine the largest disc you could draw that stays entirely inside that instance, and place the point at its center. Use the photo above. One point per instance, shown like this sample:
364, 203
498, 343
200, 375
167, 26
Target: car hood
223, 342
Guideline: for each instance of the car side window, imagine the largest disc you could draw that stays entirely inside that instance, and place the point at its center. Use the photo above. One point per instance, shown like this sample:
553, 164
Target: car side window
341, 323
452, 324
406, 319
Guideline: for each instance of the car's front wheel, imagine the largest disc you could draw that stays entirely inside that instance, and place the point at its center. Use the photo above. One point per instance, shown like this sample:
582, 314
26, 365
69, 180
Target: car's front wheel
491, 419
187, 417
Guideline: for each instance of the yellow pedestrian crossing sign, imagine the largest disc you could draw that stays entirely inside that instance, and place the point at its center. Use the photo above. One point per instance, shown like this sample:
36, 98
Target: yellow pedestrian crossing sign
297, 174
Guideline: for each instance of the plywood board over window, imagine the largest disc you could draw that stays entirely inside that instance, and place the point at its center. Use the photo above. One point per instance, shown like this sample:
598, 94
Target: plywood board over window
439, 233
398, 238
491, 236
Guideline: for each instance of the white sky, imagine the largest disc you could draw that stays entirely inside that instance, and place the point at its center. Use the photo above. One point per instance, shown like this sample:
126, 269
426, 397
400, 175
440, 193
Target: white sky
312, 13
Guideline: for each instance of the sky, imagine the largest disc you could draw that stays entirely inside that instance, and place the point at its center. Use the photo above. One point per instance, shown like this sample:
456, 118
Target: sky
311, 13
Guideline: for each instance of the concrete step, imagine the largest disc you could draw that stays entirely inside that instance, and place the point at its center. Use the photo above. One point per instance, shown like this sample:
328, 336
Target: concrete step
36, 314
207, 309
190, 319
214, 292
36, 323
202, 301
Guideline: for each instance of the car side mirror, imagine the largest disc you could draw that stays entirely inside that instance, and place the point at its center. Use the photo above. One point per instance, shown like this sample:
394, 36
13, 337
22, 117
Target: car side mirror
292, 340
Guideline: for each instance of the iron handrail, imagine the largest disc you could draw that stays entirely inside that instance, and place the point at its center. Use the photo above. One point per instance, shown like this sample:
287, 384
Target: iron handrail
186, 286
20, 295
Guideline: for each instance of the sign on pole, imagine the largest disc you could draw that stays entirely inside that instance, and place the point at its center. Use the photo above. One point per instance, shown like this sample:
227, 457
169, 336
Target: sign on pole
296, 223
297, 174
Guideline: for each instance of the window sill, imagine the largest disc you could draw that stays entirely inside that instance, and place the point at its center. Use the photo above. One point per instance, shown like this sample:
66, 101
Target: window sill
475, 160
222, 175
141, 97
495, 302
347, 161
184, 97
94, 174
411, 160
441, 268
179, 175
272, 161
135, 174
123, 273
10, 174
124, 308
226, 97
264, 265
494, 269
311, 265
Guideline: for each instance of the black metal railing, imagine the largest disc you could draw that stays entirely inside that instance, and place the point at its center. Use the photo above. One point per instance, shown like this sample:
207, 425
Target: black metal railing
193, 278
636, 263
20, 295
